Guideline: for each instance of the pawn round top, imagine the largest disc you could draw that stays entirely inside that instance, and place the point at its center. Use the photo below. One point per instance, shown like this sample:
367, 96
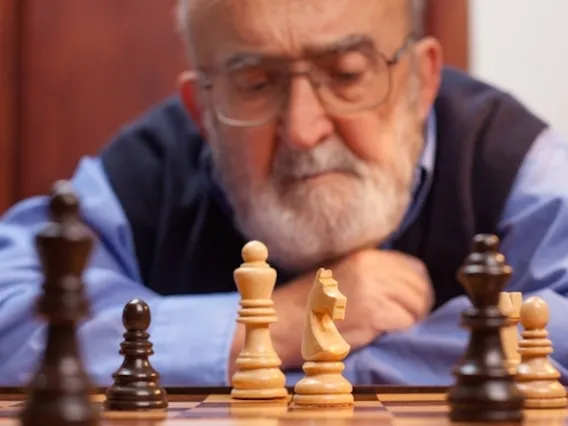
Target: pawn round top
254, 251
534, 314
484, 243
136, 315
64, 202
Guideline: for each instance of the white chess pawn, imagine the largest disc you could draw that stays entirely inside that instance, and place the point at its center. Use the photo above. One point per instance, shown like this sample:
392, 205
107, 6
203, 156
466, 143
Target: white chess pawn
536, 377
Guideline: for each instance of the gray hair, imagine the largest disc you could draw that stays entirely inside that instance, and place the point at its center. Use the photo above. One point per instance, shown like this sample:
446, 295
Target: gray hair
417, 13
417, 9
182, 17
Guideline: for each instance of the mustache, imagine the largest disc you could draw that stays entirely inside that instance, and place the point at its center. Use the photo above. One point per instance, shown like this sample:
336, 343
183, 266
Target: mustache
332, 155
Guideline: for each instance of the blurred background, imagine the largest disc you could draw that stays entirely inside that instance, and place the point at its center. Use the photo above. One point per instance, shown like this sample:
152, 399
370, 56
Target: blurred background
72, 72
520, 45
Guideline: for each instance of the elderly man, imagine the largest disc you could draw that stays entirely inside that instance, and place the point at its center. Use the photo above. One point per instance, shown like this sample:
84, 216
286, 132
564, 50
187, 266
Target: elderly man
330, 131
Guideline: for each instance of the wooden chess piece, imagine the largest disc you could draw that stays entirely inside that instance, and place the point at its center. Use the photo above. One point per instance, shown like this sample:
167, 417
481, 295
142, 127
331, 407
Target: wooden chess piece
258, 374
60, 392
136, 384
537, 378
484, 390
510, 306
323, 348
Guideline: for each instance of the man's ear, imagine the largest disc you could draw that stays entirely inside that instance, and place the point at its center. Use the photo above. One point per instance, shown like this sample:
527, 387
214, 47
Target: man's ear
189, 97
430, 62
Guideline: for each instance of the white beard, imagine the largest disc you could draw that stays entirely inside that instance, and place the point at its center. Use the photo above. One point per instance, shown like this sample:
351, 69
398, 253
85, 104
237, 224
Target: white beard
305, 224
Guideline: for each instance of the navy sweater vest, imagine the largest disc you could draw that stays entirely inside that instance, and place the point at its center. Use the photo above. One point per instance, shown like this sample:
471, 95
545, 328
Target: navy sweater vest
186, 242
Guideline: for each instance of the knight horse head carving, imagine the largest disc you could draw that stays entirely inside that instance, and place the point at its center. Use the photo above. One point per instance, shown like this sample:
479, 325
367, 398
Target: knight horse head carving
321, 340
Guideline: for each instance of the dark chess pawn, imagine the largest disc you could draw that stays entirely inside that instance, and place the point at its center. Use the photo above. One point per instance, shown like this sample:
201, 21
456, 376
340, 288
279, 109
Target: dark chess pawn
484, 390
60, 392
136, 384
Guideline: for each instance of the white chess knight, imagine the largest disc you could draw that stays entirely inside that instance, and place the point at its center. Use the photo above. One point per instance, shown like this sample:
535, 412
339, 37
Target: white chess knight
323, 347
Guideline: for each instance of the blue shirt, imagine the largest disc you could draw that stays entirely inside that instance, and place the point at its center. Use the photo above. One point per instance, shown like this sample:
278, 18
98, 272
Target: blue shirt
192, 334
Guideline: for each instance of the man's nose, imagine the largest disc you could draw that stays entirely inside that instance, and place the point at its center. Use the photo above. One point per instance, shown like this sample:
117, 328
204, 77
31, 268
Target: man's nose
306, 122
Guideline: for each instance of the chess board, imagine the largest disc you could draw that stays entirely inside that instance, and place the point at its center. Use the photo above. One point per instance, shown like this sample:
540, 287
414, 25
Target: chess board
376, 406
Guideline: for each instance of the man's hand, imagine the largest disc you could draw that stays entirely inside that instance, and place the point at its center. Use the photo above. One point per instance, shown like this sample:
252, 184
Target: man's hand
385, 291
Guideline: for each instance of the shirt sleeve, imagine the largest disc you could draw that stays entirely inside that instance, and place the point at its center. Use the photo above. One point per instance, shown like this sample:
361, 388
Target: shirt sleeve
534, 226
192, 335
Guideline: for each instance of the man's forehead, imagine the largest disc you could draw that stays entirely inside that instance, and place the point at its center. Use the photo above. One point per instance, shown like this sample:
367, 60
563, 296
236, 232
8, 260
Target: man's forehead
221, 27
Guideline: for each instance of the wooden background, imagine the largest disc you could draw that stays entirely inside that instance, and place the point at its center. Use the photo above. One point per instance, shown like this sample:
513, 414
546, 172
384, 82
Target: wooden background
73, 71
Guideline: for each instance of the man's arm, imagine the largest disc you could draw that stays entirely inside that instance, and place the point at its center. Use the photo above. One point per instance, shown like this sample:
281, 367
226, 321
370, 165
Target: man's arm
535, 229
192, 335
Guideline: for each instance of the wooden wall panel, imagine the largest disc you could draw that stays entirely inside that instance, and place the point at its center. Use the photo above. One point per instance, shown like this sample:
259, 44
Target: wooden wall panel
8, 98
448, 20
88, 66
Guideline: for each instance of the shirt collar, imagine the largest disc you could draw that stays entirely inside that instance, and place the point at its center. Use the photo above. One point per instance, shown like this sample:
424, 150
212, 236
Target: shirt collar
426, 162
422, 178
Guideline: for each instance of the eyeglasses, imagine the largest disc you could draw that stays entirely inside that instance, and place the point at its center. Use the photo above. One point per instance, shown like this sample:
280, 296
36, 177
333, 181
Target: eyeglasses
253, 90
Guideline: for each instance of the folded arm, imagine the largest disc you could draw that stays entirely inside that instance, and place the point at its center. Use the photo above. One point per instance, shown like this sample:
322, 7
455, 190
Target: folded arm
191, 334
535, 229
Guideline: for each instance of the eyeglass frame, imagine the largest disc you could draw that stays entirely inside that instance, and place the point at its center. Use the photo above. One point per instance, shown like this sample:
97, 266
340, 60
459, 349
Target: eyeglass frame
206, 83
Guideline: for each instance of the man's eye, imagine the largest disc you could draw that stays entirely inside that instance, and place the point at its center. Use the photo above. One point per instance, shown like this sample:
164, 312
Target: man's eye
257, 85
347, 68
347, 76
254, 85
251, 82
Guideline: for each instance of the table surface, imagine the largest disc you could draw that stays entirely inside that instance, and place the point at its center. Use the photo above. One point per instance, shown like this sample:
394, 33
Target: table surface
374, 405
